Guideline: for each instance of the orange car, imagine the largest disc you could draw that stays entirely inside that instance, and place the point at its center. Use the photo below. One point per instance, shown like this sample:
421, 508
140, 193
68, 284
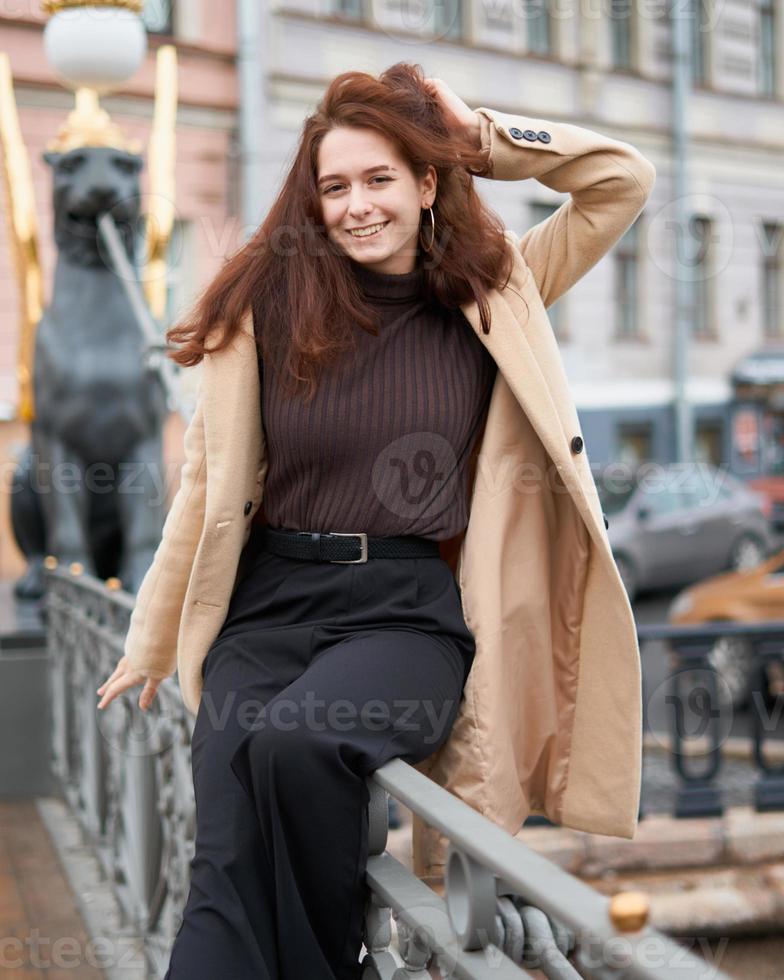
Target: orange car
751, 596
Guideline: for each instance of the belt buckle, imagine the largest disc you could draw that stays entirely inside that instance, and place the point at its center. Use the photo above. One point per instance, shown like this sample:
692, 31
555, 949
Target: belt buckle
362, 535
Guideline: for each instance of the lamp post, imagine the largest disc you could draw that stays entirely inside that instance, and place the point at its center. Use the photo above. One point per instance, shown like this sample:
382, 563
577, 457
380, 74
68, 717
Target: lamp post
684, 312
93, 48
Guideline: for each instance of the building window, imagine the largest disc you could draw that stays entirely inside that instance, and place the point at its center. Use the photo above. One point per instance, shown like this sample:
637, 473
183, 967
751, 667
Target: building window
627, 301
700, 36
158, 16
634, 442
772, 234
537, 19
708, 442
348, 8
701, 276
540, 211
448, 18
621, 33
767, 48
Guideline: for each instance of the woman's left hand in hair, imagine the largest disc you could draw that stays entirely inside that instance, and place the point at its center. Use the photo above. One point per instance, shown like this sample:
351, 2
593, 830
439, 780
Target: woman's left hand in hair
461, 116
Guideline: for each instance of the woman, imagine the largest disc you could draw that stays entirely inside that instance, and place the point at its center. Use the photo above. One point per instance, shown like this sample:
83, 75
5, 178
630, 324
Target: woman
433, 380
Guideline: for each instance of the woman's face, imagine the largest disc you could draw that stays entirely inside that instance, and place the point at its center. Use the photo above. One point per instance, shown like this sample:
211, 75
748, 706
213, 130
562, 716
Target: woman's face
363, 182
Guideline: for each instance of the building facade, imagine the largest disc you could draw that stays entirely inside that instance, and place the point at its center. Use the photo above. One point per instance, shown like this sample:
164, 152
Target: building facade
606, 65
603, 64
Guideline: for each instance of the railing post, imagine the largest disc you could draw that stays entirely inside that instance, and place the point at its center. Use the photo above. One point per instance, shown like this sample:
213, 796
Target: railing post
769, 790
698, 795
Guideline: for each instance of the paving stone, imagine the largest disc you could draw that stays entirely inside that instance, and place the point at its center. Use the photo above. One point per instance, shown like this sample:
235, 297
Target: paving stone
37, 905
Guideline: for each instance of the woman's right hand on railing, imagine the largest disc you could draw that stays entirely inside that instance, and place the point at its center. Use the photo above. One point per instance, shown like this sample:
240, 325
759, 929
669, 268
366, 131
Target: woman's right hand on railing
125, 677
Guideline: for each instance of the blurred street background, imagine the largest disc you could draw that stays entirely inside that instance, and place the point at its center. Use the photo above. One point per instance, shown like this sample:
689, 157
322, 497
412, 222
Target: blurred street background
674, 349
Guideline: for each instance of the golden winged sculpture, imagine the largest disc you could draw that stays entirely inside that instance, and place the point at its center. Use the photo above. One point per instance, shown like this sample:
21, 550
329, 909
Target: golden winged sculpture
88, 124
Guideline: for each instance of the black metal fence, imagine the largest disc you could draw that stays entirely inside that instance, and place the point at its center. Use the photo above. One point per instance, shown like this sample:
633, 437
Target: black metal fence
700, 707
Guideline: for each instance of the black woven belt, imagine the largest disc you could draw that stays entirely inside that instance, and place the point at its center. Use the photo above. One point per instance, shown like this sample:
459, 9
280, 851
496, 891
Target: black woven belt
345, 548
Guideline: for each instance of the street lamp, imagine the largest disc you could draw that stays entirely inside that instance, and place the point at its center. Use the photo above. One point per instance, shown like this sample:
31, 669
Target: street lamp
96, 44
93, 46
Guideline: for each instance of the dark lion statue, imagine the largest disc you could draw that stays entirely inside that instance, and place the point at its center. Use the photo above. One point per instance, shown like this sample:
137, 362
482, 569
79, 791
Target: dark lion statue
90, 486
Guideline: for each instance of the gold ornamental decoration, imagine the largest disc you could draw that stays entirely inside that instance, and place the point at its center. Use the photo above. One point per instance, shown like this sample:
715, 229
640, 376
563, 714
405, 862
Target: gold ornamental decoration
23, 232
161, 159
55, 6
90, 125
629, 911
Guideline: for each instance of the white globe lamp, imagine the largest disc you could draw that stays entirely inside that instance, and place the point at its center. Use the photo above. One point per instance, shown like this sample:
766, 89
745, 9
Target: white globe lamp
96, 45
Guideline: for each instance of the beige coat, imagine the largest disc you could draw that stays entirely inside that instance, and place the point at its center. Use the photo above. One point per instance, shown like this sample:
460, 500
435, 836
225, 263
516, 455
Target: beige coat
551, 721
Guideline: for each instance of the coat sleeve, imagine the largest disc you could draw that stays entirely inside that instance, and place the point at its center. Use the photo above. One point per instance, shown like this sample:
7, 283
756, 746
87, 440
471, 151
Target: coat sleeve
609, 182
151, 641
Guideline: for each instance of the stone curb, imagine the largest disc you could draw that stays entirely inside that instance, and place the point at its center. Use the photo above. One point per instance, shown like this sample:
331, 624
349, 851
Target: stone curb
717, 903
119, 949
742, 836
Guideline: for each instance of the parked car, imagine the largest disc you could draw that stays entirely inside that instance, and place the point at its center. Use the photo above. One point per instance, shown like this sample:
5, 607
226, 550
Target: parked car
673, 524
751, 596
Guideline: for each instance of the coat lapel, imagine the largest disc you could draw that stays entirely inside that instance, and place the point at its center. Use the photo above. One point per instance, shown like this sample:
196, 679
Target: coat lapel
233, 425
237, 462
509, 345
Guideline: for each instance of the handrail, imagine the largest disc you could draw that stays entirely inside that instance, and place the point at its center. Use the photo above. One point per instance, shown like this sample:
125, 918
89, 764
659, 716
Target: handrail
127, 778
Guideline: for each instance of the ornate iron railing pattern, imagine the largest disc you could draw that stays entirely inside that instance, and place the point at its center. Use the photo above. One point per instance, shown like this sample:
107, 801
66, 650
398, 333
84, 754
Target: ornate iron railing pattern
127, 777
694, 691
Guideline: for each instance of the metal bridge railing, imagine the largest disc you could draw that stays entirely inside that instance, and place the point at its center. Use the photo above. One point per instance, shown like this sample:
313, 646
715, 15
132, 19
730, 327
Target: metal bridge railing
126, 775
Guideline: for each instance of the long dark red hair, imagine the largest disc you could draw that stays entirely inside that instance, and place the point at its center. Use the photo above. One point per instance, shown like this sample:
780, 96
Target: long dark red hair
305, 300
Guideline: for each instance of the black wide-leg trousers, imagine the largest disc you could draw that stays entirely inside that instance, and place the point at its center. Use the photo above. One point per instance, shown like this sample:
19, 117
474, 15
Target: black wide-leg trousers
321, 673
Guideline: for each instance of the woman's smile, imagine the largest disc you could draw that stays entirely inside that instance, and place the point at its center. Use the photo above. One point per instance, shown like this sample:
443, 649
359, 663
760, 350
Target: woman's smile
369, 231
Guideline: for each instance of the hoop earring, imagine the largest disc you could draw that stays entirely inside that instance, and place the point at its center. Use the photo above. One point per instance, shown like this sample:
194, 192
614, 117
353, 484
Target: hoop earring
428, 248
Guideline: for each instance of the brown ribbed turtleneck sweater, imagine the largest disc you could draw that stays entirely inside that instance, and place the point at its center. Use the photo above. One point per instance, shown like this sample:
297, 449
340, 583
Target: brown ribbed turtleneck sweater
384, 444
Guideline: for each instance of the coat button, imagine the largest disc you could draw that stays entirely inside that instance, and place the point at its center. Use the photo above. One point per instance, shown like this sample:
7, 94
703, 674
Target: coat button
516, 133
530, 135
606, 522
248, 507
577, 445
543, 137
